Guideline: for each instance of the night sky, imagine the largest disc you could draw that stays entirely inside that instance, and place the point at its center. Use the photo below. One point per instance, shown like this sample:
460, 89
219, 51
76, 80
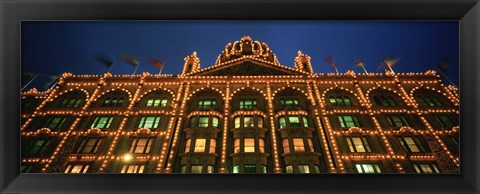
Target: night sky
51, 48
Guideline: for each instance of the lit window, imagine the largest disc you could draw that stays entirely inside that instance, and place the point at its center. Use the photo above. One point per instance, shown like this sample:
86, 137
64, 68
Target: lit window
200, 145
310, 144
248, 122
236, 146
215, 121
303, 168
446, 121
289, 103
286, 148
192, 122
102, 122
260, 122
196, 169
368, 168
249, 168
210, 169
248, 104
333, 101
339, 101
298, 145
263, 168
164, 102
236, 169
113, 102
183, 169
89, 145
347, 101
38, 147
55, 122
305, 121
289, 168
157, 102
358, 144
249, 145
261, 145
187, 145
397, 120
203, 122
411, 144
77, 168
141, 145
347, 121
71, 102
150, 122
213, 144
294, 121
426, 168
281, 121
207, 103
237, 122
132, 168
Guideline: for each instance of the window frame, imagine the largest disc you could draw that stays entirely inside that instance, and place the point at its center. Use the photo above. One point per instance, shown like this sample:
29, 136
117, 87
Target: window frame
134, 146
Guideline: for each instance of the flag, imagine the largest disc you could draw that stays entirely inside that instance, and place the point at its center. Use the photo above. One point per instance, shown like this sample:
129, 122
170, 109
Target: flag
359, 63
130, 59
52, 79
107, 61
388, 63
330, 61
443, 66
28, 75
157, 63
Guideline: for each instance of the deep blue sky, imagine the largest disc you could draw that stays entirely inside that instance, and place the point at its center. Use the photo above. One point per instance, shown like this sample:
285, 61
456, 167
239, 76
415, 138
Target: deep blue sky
56, 47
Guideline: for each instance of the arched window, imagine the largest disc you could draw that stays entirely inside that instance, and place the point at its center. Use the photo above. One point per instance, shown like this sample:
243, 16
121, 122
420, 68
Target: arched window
384, 100
347, 101
340, 101
333, 101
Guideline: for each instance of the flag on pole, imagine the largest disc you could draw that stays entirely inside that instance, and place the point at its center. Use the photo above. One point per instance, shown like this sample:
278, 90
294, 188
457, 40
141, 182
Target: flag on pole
330, 61
130, 59
157, 63
107, 61
52, 80
360, 63
388, 63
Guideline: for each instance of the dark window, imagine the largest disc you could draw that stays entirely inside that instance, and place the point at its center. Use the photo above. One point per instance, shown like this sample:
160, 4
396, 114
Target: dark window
113, 102
207, 104
289, 103
71, 102
55, 122
411, 144
250, 168
447, 121
397, 120
384, 101
38, 146
358, 144
429, 100
89, 145
25, 168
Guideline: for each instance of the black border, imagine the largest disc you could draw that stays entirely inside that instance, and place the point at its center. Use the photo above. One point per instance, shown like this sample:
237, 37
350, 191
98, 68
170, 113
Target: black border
13, 11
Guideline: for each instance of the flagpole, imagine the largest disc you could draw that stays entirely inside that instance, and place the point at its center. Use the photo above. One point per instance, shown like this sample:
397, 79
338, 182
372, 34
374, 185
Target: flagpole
446, 77
364, 69
161, 70
390, 68
110, 68
136, 69
30, 81
336, 70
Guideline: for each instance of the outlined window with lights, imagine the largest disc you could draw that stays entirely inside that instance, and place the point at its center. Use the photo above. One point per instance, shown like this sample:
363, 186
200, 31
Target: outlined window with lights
298, 145
347, 121
89, 145
113, 102
397, 121
204, 121
71, 102
248, 121
293, 121
289, 103
199, 145
102, 122
248, 104
358, 144
249, 145
368, 168
205, 104
77, 168
446, 120
141, 145
157, 102
150, 122
55, 122
37, 147
426, 168
411, 144
428, 100
340, 101
132, 168
384, 100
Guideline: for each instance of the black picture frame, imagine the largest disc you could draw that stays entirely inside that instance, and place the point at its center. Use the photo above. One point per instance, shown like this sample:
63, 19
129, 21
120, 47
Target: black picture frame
14, 11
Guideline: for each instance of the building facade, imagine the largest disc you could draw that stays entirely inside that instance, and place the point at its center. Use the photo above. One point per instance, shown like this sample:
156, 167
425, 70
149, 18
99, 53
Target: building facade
247, 113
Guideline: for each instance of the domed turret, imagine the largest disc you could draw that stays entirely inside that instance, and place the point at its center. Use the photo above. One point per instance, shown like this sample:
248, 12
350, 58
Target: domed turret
247, 47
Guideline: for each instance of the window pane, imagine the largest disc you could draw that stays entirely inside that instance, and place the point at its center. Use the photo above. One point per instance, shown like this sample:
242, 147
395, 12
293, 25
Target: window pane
237, 122
249, 145
164, 102
333, 102
347, 101
303, 169
187, 145
214, 122
213, 145
298, 145
248, 122
286, 148
203, 122
236, 169
358, 144
281, 121
250, 168
260, 122
196, 169
342, 122
349, 121
200, 145
350, 144
411, 144
289, 169
236, 146
294, 121
305, 121
261, 145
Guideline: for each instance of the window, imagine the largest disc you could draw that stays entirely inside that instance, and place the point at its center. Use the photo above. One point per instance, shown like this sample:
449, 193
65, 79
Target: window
236, 169
289, 103
237, 122
132, 168
207, 103
384, 101
55, 122
183, 169
210, 169
294, 121
157, 102
426, 168
113, 102
368, 168
203, 122
248, 104
411, 144
200, 145
446, 121
305, 121
340, 101
249, 145
25, 168
310, 144
196, 169
141, 145
298, 145
282, 123
187, 145
248, 121
102, 122
213, 145
192, 122
89, 145
263, 168
215, 121
397, 120
236, 146
358, 144
261, 145
38, 147
150, 122
260, 122
347, 121
429, 101
289, 169
286, 147
250, 168
77, 168
303, 168
71, 102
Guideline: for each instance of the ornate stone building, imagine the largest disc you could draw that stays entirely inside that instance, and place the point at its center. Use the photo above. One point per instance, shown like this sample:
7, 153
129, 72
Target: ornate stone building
247, 113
